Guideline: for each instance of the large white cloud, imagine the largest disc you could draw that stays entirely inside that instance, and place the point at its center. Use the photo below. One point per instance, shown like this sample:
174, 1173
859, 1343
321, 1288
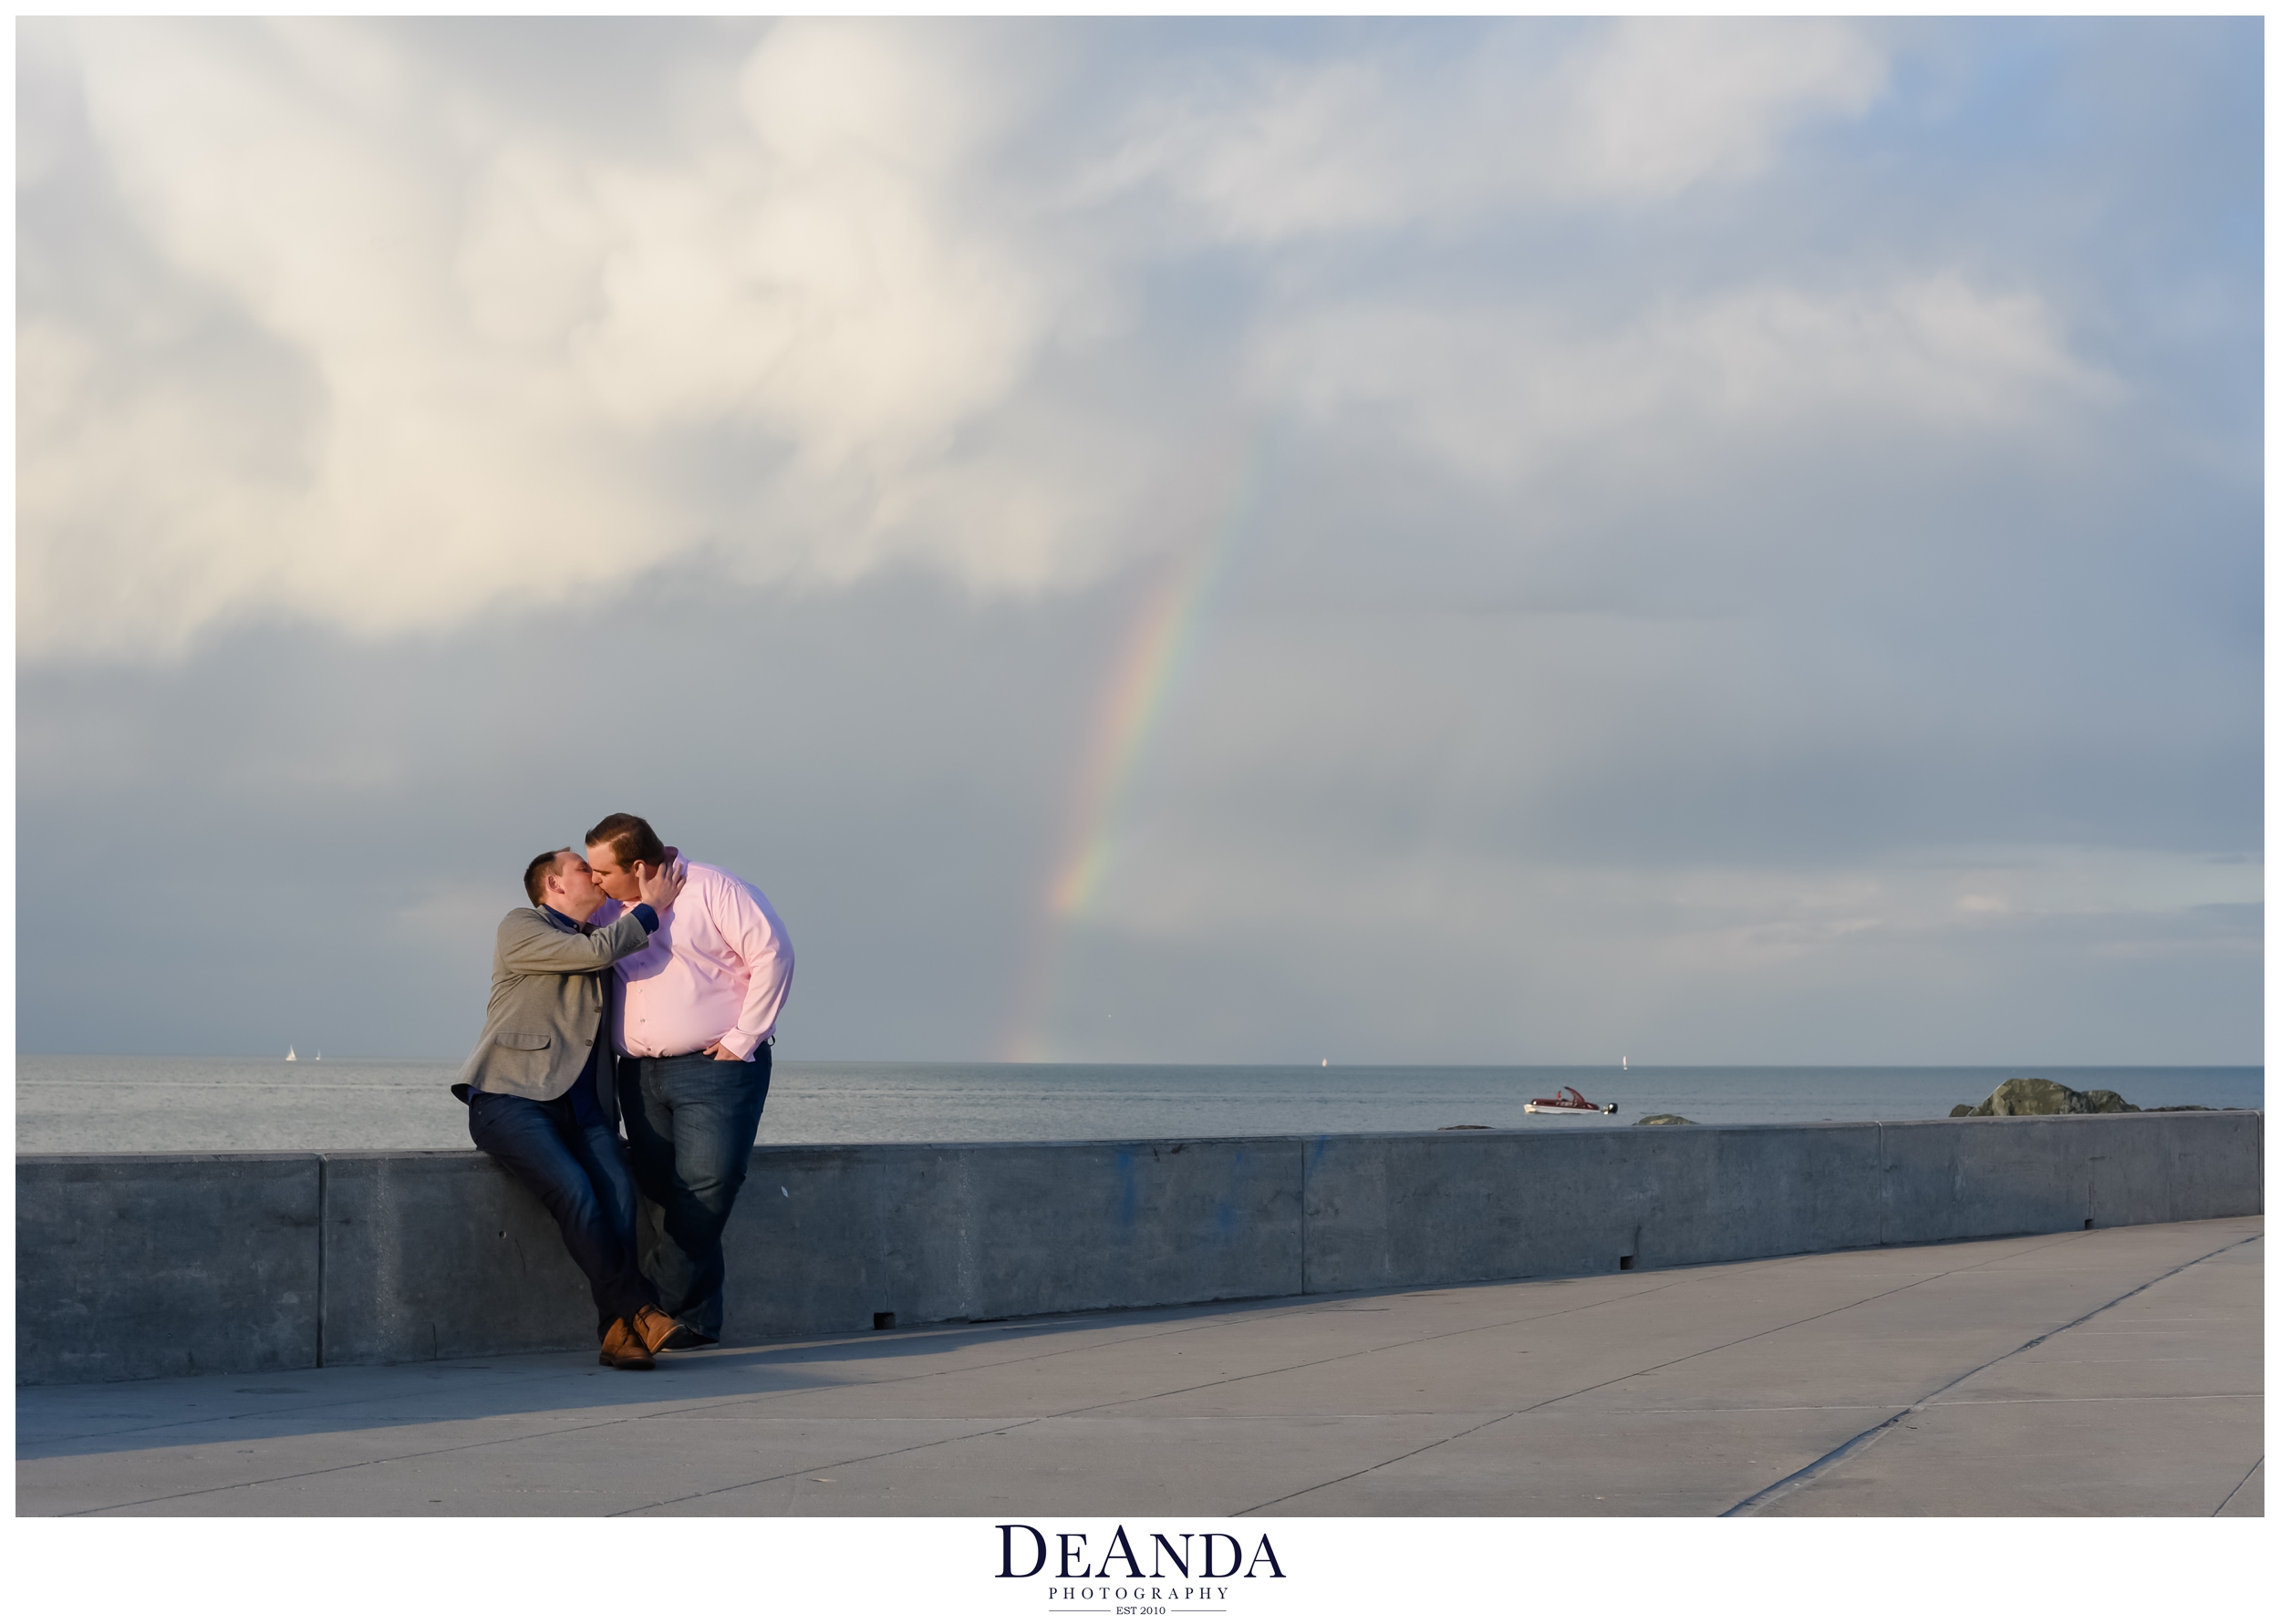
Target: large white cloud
504, 336
407, 350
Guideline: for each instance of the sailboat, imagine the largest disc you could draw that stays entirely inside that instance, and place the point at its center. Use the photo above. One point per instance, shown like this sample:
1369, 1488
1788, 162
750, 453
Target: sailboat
290, 1055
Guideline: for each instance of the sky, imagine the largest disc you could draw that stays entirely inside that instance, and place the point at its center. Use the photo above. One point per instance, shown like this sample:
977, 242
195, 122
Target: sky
1447, 543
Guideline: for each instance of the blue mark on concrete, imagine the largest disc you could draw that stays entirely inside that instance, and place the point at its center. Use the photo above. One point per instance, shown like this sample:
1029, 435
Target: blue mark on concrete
1129, 1208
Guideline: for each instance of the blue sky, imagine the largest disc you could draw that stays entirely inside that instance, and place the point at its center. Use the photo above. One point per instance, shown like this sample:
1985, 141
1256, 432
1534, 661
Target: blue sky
1752, 550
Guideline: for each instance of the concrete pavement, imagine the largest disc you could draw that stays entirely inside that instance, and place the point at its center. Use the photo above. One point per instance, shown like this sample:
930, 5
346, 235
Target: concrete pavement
2115, 1373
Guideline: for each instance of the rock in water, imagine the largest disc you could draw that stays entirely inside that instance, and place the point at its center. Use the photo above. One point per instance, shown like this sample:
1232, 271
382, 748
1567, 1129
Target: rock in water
2036, 1096
2106, 1100
1665, 1119
1966, 1111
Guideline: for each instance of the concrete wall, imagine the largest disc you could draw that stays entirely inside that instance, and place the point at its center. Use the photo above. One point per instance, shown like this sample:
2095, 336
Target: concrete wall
144, 1265
147, 1266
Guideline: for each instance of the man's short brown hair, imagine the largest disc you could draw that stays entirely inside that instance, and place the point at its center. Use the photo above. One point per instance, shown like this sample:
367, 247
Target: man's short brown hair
629, 838
534, 876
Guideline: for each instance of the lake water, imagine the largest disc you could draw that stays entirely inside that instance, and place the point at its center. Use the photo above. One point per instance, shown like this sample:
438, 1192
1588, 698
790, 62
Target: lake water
161, 1103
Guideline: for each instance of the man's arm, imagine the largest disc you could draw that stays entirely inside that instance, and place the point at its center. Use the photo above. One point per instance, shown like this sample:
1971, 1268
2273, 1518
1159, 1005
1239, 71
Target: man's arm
760, 942
530, 947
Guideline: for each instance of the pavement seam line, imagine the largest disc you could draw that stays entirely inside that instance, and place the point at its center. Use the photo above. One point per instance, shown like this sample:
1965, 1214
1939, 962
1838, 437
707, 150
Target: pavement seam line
1065, 1414
1332, 1359
421, 1454
417, 1454
729, 1488
2063, 1240
2237, 1488
2151, 1397
1740, 1267
2115, 1398
1813, 1470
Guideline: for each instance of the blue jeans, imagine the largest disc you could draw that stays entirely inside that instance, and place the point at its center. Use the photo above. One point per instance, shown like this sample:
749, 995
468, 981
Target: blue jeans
580, 1174
691, 1121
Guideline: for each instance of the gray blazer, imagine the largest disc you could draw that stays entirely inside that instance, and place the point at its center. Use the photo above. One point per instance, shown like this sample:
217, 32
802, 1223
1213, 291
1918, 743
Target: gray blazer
549, 987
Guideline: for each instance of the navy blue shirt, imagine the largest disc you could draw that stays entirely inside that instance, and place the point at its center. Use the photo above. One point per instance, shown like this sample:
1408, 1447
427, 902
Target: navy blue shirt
585, 1100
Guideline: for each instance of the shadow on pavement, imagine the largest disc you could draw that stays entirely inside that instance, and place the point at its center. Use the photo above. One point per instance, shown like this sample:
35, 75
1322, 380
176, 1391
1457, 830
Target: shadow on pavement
179, 1412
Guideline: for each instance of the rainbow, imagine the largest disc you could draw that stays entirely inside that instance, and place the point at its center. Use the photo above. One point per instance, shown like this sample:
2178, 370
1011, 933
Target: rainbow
1157, 651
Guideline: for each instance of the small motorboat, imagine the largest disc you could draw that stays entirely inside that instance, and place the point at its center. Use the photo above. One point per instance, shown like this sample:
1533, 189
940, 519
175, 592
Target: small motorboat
1568, 1103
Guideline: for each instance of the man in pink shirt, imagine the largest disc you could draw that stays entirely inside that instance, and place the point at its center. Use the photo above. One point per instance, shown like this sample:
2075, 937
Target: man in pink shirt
695, 1021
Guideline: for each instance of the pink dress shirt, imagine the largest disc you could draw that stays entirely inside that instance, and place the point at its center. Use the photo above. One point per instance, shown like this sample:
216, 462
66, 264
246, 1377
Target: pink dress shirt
716, 971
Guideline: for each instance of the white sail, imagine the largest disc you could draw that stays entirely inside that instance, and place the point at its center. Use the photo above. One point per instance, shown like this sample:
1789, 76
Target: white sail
290, 1055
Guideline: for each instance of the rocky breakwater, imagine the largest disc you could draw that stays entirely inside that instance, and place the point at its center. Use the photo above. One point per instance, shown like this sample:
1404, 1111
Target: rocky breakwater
2039, 1096
2019, 1096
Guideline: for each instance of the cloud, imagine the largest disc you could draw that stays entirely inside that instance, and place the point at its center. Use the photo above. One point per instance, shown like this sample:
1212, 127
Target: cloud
1498, 390
1271, 149
1660, 105
501, 338
815, 280
810, 325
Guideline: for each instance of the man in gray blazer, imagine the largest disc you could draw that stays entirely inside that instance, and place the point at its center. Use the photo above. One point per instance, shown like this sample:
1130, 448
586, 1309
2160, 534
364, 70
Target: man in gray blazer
540, 1090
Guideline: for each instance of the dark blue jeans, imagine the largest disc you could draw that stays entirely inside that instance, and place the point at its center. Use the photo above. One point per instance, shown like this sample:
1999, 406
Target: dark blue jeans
690, 1121
580, 1173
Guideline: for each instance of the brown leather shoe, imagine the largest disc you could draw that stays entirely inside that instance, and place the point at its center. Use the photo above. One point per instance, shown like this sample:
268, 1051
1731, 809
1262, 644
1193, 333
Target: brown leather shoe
623, 1350
660, 1330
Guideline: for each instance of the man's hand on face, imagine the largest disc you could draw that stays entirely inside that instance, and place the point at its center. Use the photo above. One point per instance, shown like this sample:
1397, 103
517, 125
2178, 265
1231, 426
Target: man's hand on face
660, 884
